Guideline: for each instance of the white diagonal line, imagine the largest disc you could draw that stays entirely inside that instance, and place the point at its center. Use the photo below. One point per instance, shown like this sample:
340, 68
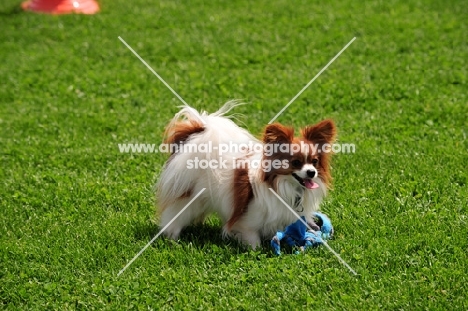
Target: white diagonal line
311, 81
160, 232
156, 74
308, 227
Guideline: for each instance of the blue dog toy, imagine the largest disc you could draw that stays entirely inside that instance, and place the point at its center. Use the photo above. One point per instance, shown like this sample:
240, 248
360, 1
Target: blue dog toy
296, 234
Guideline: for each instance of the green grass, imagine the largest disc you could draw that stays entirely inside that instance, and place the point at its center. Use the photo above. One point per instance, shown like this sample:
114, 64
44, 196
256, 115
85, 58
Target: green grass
74, 211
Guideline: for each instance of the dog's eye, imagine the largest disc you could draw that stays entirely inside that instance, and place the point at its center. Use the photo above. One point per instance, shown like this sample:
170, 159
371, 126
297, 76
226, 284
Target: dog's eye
296, 163
314, 162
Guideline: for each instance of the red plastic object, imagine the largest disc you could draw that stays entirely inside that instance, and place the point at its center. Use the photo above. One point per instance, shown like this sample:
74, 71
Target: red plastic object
61, 6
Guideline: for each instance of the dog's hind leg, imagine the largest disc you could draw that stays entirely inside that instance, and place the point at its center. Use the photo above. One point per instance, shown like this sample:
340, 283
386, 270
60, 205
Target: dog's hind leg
177, 223
246, 236
251, 238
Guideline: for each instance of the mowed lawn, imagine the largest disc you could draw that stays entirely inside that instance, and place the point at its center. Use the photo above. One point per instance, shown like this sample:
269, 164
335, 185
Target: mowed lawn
74, 210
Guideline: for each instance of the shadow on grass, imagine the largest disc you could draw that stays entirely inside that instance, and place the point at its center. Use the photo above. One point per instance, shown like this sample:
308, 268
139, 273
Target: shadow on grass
11, 10
201, 236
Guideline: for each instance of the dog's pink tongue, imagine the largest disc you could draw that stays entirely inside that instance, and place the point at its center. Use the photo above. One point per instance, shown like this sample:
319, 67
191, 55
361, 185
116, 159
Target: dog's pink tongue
310, 184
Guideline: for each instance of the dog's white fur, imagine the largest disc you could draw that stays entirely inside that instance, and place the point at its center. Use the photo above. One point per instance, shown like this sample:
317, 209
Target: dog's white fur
265, 214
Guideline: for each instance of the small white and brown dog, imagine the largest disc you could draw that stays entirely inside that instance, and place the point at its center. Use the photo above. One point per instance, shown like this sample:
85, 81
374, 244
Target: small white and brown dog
238, 175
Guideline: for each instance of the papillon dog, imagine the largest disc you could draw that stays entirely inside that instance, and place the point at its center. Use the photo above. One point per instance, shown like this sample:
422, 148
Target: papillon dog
238, 170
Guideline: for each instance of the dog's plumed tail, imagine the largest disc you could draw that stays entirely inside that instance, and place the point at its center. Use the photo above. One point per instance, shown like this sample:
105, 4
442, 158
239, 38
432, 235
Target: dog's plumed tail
189, 121
195, 140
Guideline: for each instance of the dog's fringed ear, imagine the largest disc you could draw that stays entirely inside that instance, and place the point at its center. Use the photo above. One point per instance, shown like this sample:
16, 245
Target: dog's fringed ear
322, 132
278, 133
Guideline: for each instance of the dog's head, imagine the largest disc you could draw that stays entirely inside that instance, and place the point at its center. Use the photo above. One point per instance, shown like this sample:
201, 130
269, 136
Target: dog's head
305, 158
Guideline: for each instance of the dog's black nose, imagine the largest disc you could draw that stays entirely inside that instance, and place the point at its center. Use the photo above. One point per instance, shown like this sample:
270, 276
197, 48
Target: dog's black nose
311, 173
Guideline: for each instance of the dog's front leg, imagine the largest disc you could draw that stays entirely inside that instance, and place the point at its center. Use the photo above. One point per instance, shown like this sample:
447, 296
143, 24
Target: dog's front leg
246, 236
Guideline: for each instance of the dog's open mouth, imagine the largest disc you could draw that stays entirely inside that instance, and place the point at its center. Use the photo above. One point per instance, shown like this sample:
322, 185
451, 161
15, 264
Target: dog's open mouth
306, 182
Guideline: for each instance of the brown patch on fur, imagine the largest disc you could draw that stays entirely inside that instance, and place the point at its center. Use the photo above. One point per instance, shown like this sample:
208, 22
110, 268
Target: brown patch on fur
163, 205
322, 133
243, 194
275, 135
186, 194
278, 133
316, 135
181, 131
